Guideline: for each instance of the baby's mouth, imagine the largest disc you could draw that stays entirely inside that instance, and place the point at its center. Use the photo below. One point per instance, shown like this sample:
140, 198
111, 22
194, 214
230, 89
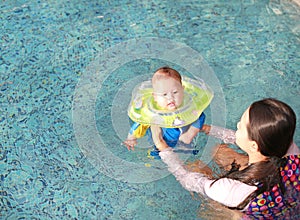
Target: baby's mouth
171, 104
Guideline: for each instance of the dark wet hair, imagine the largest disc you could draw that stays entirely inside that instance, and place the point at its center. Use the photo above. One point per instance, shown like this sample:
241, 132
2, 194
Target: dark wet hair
271, 125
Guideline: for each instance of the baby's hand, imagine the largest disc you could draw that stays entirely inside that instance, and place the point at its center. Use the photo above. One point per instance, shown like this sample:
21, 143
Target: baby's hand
186, 138
130, 143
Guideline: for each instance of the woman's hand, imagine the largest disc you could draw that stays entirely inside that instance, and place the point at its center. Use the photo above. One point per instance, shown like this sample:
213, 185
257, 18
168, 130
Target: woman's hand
205, 128
224, 156
157, 138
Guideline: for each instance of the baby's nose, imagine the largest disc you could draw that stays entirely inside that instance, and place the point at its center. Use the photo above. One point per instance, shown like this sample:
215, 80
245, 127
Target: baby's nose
170, 96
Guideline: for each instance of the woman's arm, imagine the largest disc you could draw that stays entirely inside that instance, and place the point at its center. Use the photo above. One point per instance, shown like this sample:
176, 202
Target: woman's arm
229, 192
226, 191
191, 181
226, 135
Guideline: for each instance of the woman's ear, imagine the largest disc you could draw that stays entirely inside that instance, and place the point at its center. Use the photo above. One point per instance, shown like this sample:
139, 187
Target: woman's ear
254, 146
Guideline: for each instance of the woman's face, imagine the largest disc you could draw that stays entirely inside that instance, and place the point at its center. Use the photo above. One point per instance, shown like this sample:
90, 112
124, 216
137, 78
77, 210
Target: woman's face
242, 138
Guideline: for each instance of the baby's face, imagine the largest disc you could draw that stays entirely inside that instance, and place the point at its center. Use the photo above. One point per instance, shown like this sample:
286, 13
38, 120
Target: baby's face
168, 93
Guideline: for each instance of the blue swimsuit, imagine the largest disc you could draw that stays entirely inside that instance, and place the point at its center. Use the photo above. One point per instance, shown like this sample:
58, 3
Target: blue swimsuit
170, 135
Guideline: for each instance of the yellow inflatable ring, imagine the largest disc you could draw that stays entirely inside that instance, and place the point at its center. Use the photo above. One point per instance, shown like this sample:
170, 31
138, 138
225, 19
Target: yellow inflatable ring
142, 108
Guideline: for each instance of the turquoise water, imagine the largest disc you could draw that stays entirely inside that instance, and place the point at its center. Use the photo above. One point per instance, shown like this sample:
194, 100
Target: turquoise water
66, 72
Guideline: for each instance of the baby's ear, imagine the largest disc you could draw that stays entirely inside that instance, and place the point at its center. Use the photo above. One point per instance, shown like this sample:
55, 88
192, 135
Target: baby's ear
154, 96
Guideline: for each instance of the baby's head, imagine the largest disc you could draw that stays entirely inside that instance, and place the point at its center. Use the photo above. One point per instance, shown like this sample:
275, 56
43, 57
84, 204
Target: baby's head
168, 90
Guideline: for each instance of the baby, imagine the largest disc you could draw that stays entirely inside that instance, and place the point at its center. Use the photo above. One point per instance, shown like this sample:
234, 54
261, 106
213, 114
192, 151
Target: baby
168, 94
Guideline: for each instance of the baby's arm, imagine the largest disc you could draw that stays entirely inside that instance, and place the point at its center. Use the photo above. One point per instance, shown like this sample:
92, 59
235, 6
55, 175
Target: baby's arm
188, 136
137, 131
130, 141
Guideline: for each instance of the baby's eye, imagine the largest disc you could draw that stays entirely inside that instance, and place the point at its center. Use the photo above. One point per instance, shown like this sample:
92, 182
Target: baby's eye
165, 94
175, 92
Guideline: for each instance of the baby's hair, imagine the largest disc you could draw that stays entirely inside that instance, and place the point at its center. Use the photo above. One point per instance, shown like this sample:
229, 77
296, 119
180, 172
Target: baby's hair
166, 72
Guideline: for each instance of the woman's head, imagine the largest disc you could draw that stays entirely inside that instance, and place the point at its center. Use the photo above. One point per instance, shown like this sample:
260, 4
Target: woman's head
265, 132
271, 124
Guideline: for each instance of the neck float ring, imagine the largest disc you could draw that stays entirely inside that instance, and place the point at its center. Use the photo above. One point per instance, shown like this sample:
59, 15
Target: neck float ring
143, 109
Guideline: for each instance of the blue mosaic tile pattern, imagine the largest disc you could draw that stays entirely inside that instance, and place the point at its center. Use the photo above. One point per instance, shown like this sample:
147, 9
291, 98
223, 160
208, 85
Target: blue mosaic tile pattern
45, 46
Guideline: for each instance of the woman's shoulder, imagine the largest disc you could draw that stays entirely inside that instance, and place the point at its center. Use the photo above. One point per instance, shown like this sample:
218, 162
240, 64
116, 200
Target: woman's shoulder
290, 172
293, 150
292, 165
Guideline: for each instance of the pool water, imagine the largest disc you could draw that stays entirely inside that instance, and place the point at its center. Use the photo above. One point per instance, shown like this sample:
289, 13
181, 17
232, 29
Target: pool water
67, 69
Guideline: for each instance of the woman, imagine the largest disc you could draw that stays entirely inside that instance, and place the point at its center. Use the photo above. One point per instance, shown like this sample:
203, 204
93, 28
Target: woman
265, 132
